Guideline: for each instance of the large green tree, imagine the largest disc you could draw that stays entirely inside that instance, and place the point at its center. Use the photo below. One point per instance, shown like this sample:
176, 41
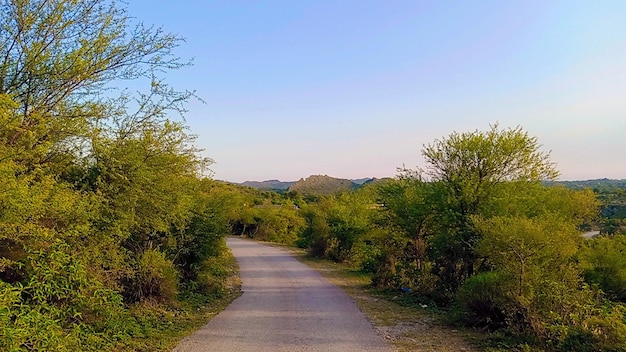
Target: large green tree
61, 61
467, 170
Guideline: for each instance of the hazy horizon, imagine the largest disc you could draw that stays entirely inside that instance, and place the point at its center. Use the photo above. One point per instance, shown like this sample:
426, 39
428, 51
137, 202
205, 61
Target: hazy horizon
356, 88
360, 178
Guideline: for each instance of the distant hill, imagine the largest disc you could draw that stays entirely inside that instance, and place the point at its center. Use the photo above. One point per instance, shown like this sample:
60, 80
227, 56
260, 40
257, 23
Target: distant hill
269, 185
598, 185
363, 181
322, 184
315, 184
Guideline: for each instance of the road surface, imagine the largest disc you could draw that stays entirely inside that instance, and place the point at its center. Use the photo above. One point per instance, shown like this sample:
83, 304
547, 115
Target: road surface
285, 306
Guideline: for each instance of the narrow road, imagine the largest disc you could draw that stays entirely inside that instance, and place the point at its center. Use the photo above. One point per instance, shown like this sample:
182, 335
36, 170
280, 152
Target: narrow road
285, 306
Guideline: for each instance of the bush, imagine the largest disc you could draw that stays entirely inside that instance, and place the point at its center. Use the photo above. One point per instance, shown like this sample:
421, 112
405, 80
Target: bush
61, 307
603, 331
604, 264
316, 232
278, 223
213, 274
155, 277
608, 329
366, 254
483, 300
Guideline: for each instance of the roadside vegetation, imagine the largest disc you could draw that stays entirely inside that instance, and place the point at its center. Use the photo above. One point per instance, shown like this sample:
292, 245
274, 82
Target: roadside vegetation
480, 235
111, 238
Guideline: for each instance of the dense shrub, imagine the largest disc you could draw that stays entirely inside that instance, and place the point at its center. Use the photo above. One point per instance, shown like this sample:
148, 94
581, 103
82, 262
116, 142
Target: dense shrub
277, 223
61, 307
97, 195
156, 277
212, 276
483, 300
316, 234
604, 264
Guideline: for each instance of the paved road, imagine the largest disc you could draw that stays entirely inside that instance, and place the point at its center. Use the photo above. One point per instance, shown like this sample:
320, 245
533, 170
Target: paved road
285, 306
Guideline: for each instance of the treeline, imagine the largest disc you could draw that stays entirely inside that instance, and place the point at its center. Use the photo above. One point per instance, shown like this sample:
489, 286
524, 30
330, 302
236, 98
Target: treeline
612, 196
107, 225
478, 233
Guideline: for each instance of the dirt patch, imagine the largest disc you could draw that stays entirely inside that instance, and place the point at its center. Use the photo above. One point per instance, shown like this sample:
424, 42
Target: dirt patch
411, 328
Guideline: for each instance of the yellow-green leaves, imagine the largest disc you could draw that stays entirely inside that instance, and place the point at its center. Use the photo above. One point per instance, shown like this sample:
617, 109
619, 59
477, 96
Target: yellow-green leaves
97, 184
488, 157
529, 249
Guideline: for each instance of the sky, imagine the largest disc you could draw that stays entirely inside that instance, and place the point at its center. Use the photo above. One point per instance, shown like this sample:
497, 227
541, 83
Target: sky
355, 89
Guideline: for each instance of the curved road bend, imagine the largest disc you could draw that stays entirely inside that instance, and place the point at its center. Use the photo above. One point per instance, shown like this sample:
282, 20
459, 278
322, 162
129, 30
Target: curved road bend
285, 306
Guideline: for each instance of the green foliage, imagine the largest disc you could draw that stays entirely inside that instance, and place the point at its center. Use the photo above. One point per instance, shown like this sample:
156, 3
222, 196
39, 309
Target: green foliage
483, 299
467, 170
607, 329
212, 275
155, 277
528, 249
202, 237
406, 211
58, 56
316, 233
277, 223
335, 224
539, 289
102, 202
486, 158
406, 205
480, 230
367, 250
484, 232
612, 196
61, 307
604, 263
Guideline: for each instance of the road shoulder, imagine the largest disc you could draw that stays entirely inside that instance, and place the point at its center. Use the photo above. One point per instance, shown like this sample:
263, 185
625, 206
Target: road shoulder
406, 327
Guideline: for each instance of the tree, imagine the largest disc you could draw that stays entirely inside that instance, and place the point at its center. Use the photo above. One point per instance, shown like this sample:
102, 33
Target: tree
335, 223
604, 264
482, 159
406, 205
59, 57
530, 281
59, 63
466, 170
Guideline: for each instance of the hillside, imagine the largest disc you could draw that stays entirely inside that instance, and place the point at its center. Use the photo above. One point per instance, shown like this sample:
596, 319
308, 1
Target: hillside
275, 185
322, 184
598, 185
316, 184
610, 192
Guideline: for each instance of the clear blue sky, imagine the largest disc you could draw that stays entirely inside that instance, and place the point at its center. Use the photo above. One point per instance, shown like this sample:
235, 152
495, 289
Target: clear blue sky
354, 89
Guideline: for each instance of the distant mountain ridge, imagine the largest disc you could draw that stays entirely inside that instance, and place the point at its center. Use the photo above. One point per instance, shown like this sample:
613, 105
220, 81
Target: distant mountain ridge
316, 184
600, 183
322, 184
269, 184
